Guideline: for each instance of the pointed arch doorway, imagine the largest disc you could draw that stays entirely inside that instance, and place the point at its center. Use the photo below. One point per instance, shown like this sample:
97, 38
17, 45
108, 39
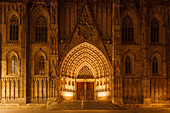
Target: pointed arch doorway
85, 84
85, 73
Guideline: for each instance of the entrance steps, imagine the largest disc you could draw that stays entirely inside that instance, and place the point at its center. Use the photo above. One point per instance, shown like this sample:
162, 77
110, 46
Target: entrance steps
87, 105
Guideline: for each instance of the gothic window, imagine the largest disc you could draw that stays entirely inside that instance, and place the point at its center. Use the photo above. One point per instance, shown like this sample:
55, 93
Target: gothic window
128, 65
40, 29
41, 65
154, 30
155, 66
14, 64
127, 30
14, 26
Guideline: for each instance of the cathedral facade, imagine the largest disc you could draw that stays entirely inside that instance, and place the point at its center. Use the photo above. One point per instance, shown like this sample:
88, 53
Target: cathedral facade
116, 50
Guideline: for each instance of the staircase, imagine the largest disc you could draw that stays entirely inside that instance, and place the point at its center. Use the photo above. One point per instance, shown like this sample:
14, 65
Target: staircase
87, 105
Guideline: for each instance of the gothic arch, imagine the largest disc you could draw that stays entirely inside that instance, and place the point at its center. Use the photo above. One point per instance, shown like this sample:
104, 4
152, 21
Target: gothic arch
34, 14
38, 10
133, 14
82, 65
40, 53
12, 52
10, 14
132, 57
157, 16
161, 27
40, 63
136, 21
157, 54
9, 57
85, 53
159, 60
129, 53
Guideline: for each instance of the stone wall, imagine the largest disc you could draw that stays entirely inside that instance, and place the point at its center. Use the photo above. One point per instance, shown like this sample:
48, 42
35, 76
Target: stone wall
63, 21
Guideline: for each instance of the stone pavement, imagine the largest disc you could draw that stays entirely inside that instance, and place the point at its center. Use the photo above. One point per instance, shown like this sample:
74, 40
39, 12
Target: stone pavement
154, 110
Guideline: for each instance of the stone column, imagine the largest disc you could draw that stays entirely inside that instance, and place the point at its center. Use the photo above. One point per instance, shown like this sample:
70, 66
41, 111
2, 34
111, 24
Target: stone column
54, 85
95, 85
116, 79
22, 79
146, 90
75, 85
85, 88
145, 46
3, 89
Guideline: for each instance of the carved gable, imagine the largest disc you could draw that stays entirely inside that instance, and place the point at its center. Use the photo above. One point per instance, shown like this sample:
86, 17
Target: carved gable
85, 29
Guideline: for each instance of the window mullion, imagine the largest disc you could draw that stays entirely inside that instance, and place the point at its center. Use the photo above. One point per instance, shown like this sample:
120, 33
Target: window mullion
157, 34
17, 32
14, 32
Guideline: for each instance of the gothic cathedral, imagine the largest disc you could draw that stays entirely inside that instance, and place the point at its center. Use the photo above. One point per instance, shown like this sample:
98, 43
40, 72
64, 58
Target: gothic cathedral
117, 50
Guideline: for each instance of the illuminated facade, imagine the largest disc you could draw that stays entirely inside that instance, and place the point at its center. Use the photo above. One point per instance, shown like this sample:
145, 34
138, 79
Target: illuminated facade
116, 50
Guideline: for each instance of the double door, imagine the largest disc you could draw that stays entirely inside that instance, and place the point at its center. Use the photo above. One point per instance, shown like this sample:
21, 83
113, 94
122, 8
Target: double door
85, 90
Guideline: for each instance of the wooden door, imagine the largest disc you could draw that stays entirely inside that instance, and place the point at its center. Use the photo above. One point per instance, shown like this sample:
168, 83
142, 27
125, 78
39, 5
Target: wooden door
90, 91
80, 90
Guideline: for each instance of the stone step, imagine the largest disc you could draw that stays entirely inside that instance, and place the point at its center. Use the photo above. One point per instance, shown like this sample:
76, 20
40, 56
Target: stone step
87, 105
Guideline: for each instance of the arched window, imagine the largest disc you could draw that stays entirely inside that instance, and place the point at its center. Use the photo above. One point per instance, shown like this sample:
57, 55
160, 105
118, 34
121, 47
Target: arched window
154, 30
41, 65
14, 25
14, 64
128, 65
127, 30
155, 65
40, 29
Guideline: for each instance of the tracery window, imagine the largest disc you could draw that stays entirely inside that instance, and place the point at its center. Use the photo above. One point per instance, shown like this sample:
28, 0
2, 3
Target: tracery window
155, 65
14, 64
154, 30
85, 72
14, 26
127, 30
40, 29
128, 65
41, 65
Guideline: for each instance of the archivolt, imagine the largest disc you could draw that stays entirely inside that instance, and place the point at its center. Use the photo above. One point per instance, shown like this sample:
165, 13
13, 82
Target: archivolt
85, 54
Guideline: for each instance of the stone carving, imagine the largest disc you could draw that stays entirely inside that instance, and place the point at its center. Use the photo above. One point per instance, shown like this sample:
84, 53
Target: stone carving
53, 71
85, 72
117, 70
86, 28
10, 89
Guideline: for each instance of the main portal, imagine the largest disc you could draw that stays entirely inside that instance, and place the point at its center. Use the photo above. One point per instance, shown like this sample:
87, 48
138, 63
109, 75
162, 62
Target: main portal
85, 74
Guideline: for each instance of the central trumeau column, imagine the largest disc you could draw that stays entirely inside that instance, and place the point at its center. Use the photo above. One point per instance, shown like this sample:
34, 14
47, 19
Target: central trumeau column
85, 88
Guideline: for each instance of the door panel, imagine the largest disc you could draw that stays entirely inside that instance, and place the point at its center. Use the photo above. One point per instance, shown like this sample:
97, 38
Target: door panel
80, 90
90, 91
